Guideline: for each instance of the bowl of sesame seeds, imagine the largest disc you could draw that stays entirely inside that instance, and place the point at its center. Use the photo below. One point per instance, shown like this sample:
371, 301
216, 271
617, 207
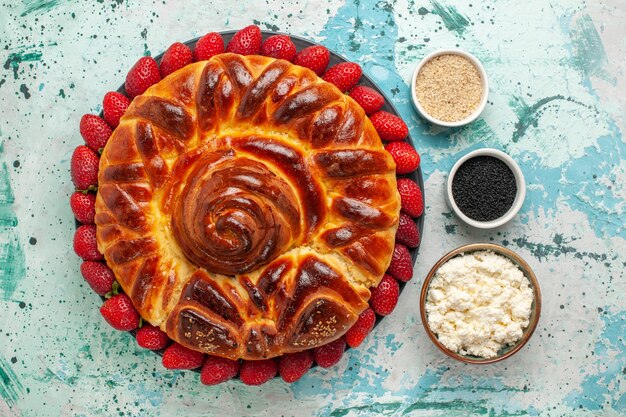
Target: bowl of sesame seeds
449, 88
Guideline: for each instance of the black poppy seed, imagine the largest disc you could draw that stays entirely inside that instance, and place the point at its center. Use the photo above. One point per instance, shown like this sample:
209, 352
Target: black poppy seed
484, 188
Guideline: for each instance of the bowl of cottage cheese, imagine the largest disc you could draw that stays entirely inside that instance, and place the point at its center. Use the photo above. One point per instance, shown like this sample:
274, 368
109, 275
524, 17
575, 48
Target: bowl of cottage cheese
480, 303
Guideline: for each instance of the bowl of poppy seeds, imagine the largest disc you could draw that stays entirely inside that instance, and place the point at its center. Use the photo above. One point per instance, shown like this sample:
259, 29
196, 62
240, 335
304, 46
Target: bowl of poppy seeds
485, 188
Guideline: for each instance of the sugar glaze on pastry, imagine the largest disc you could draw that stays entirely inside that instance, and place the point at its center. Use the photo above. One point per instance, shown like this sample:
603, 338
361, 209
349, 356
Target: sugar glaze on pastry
247, 206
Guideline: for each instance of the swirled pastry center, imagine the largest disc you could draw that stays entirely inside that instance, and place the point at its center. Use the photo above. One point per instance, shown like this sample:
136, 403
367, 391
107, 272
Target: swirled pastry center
234, 214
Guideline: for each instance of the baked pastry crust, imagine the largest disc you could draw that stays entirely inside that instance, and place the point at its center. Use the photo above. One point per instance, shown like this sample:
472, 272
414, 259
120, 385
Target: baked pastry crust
247, 206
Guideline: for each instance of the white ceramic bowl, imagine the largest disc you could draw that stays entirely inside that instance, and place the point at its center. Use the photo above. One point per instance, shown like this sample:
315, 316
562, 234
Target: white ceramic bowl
519, 180
483, 77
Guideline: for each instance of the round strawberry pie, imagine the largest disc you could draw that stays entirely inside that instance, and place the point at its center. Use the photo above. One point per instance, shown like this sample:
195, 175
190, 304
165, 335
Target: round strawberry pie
246, 207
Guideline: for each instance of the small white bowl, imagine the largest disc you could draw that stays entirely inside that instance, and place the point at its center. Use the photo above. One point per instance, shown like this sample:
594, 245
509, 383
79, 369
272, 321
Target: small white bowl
519, 180
483, 77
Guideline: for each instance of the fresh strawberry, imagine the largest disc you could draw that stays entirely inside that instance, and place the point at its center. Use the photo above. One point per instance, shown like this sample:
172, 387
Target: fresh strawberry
177, 56
258, 372
293, 366
217, 370
369, 99
99, 276
84, 168
95, 131
279, 47
114, 106
177, 356
120, 313
83, 206
207, 46
344, 75
405, 156
315, 58
390, 127
408, 234
329, 354
85, 244
247, 41
385, 297
410, 197
401, 267
144, 74
151, 337
364, 324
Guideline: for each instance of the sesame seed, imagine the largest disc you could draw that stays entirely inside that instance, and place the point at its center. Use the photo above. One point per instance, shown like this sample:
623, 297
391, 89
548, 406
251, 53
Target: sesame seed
449, 87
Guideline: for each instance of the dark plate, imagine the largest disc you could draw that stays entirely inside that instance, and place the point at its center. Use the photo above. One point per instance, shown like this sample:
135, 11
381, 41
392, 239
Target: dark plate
335, 58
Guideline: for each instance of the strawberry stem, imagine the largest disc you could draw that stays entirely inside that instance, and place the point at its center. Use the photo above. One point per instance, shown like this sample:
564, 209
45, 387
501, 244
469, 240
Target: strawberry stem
115, 290
93, 188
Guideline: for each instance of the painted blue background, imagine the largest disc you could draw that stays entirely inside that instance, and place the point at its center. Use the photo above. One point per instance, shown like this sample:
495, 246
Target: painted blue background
557, 105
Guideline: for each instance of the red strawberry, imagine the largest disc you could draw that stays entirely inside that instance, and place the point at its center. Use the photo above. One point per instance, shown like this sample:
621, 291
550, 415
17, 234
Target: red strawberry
389, 127
99, 276
120, 313
144, 74
83, 206
114, 106
217, 370
385, 297
344, 75
279, 47
369, 99
329, 354
207, 46
95, 131
151, 337
84, 168
410, 197
408, 234
405, 156
362, 327
315, 58
258, 372
177, 356
293, 366
401, 266
85, 244
177, 56
246, 42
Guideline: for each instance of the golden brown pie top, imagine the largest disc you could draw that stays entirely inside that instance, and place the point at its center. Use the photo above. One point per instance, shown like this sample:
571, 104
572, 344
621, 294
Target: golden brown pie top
246, 206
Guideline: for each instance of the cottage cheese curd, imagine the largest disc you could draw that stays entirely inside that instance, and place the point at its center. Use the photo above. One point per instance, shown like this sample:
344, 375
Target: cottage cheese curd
478, 303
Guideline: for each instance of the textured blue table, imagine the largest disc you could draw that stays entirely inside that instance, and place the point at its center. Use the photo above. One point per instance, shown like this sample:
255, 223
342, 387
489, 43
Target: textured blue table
557, 105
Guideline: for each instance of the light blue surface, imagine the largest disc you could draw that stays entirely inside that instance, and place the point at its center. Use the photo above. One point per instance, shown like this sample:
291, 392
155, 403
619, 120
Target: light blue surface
557, 105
